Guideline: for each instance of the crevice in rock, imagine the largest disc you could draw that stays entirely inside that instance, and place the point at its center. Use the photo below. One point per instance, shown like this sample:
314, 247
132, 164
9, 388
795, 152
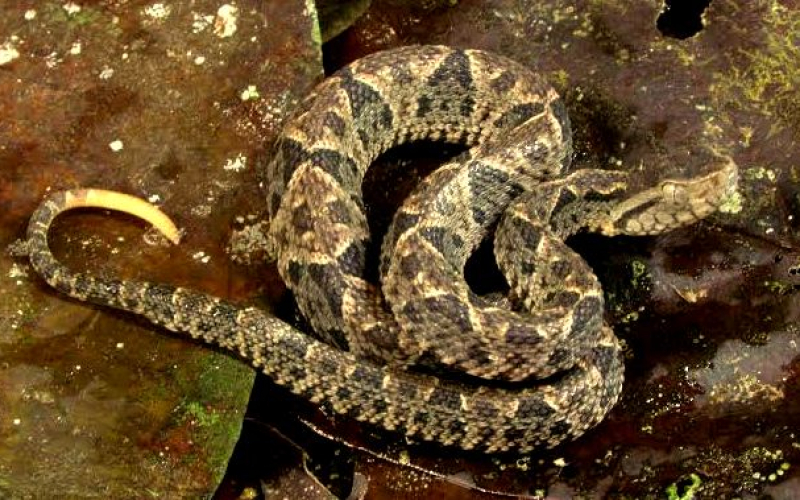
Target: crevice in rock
682, 19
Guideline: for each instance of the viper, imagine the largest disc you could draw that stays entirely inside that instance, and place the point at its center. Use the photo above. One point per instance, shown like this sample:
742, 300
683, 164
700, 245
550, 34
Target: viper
420, 353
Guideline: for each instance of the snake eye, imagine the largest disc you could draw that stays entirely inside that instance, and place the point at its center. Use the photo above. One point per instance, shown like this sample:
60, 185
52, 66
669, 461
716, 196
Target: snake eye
668, 190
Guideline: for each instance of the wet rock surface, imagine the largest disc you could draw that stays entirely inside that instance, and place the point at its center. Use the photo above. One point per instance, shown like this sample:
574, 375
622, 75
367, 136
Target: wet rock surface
169, 100
157, 100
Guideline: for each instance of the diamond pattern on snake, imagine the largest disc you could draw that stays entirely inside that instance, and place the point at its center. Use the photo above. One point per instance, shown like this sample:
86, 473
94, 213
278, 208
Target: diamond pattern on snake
419, 353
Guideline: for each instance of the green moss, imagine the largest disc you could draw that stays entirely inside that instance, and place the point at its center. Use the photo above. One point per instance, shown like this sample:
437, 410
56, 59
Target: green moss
768, 79
631, 317
560, 80
216, 389
85, 17
87, 22
757, 192
778, 287
731, 204
627, 295
202, 416
688, 492
55, 12
746, 471
638, 268
760, 173
640, 277
222, 380
316, 30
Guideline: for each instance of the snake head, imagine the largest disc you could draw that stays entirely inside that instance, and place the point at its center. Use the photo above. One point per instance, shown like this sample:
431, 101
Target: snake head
672, 203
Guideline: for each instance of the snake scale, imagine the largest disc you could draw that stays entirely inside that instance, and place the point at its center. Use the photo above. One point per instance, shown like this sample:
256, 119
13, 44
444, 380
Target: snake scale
421, 353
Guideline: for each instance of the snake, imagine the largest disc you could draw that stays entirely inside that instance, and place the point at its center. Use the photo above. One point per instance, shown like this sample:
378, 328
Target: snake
416, 351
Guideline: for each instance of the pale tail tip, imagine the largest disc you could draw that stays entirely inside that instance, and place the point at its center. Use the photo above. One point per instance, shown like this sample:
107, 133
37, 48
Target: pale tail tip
113, 200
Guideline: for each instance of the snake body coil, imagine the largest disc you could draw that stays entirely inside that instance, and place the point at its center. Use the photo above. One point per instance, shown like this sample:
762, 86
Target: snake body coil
554, 368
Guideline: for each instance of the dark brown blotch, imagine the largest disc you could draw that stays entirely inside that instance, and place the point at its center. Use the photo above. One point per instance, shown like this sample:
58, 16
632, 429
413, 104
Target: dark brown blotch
329, 280
423, 106
455, 72
485, 411
563, 298
586, 316
518, 114
520, 333
455, 428
561, 429
158, 304
447, 309
529, 235
340, 166
532, 407
410, 265
445, 241
221, 318
445, 397
561, 357
368, 108
504, 82
566, 199
303, 219
295, 273
559, 270
334, 123
403, 221
352, 260
293, 353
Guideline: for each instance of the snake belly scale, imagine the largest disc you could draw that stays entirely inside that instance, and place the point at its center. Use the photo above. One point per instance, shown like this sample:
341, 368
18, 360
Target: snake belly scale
422, 354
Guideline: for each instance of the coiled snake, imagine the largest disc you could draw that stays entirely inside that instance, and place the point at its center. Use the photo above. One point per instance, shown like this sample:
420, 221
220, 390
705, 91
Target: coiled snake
415, 354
